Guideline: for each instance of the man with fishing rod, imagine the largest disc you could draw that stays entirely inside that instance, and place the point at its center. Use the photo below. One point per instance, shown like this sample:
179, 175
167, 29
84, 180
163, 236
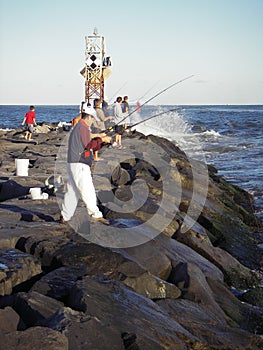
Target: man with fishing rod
99, 126
79, 161
119, 128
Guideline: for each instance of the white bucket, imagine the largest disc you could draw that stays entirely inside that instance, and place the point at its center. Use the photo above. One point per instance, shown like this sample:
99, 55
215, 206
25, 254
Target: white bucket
22, 167
35, 193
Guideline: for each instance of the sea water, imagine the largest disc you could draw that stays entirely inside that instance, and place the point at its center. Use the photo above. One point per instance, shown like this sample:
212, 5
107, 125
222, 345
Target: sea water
227, 137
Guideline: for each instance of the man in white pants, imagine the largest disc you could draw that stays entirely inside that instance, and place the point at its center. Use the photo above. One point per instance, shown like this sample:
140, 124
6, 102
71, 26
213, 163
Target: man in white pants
80, 184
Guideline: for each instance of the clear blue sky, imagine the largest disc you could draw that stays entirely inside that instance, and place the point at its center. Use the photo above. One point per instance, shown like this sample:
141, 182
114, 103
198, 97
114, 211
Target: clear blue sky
42, 46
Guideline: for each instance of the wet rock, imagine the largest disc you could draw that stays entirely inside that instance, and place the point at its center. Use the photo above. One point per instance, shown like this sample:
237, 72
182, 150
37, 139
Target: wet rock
233, 225
254, 296
248, 317
235, 273
208, 326
15, 268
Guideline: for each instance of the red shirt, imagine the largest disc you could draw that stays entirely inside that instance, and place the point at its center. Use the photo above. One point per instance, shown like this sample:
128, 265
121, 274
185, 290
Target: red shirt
30, 117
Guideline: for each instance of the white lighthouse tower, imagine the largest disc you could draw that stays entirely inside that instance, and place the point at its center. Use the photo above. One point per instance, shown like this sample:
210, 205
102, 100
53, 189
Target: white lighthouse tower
96, 68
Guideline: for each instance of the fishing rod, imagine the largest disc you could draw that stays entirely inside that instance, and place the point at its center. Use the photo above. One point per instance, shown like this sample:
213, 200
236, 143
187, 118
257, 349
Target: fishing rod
153, 116
141, 121
146, 93
117, 91
159, 93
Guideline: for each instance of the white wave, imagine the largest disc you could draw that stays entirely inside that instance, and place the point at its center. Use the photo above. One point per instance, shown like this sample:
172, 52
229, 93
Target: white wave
211, 133
169, 125
6, 129
173, 127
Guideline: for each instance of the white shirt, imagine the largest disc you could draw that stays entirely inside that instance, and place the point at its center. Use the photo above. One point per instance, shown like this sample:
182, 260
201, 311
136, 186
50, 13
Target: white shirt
118, 115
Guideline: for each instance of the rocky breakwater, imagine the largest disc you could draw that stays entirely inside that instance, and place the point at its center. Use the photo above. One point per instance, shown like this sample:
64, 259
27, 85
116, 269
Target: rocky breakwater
178, 267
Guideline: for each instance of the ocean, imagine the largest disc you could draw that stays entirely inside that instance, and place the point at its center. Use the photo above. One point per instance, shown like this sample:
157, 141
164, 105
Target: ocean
225, 136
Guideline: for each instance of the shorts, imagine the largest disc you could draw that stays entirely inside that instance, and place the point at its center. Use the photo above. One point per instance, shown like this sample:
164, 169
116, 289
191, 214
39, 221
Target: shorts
30, 128
119, 129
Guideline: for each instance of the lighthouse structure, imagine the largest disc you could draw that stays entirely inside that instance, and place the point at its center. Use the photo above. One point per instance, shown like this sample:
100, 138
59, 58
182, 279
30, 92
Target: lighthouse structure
96, 69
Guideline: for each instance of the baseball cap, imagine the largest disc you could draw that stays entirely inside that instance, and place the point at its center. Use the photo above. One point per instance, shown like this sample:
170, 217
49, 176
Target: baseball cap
89, 110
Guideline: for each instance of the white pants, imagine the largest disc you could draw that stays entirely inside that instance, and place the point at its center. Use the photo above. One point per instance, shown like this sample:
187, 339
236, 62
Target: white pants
80, 185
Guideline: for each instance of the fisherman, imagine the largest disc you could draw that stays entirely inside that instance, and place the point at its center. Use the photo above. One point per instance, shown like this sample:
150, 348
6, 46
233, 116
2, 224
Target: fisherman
101, 115
97, 138
99, 126
125, 109
118, 117
125, 105
79, 161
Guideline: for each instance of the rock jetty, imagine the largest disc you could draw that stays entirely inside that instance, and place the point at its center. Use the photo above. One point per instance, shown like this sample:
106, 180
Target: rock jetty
180, 270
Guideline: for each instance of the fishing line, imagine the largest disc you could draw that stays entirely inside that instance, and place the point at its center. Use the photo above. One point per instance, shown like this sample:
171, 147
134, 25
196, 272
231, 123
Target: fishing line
159, 93
153, 116
146, 93
141, 121
117, 91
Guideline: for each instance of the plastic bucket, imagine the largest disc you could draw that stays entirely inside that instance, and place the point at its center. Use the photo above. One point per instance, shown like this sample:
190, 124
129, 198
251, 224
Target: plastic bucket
22, 167
35, 193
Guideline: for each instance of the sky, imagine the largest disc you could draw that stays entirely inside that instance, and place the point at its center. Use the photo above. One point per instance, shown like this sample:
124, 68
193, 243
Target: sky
152, 45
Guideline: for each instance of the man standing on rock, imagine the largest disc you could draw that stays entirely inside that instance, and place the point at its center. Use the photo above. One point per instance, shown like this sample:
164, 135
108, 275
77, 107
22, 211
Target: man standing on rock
79, 160
118, 117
